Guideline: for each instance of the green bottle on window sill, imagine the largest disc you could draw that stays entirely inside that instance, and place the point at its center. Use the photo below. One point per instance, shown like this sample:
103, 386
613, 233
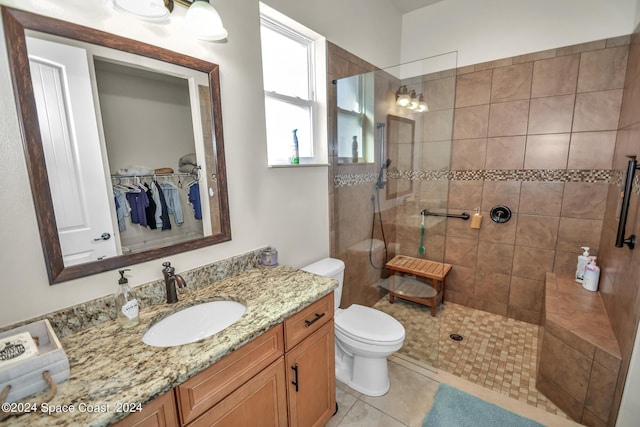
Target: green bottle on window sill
295, 157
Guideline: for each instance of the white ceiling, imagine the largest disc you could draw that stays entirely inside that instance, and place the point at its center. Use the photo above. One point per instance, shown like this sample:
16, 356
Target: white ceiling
406, 6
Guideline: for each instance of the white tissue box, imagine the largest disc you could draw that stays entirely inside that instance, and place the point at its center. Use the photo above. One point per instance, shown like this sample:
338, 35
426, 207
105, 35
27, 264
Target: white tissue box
25, 375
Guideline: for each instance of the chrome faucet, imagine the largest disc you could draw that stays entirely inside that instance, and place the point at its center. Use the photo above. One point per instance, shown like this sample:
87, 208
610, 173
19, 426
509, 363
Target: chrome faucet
171, 280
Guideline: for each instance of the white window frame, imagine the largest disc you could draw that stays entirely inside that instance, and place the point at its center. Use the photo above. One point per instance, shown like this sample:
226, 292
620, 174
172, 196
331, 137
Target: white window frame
361, 116
316, 60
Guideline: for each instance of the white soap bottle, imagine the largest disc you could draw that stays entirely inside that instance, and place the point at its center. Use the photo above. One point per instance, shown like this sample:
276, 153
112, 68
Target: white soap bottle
591, 276
127, 310
583, 260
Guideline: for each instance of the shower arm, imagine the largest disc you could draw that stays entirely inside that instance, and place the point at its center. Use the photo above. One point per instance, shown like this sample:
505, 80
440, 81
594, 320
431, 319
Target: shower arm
463, 216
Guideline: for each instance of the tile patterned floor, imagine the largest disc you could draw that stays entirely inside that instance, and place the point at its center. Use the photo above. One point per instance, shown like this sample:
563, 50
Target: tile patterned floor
410, 397
496, 352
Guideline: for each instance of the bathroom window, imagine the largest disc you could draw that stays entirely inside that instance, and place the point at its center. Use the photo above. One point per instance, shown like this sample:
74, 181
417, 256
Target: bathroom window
350, 119
291, 92
353, 120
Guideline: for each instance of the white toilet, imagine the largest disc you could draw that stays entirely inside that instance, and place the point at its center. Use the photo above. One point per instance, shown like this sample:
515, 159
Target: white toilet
365, 337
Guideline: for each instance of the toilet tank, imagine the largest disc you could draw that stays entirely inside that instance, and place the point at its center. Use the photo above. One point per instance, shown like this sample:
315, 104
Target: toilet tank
332, 268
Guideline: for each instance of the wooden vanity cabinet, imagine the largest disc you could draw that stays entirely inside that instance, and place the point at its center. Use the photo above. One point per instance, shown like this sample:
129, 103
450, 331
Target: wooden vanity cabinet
311, 379
260, 402
160, 412
207, 388
285, 377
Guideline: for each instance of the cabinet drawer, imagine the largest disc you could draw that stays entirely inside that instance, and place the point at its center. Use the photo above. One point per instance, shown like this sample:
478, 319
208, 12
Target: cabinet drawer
310, 319
198, 394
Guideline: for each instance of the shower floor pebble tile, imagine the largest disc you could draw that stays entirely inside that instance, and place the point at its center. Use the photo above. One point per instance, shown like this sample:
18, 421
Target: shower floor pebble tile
496, 352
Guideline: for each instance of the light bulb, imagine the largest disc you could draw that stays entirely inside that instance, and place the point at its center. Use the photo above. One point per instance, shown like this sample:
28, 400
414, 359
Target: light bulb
402, 96
422, 106
203, 22
413, 104
404, 100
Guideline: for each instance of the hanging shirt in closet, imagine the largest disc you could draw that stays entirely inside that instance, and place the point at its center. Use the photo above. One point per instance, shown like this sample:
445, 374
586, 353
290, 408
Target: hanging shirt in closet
122, 207
172, 197
164, 217
194, 199
155, 195
150, 210
138, 201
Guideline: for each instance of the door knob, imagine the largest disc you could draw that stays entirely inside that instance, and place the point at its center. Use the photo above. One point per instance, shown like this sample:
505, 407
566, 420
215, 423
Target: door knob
104, 236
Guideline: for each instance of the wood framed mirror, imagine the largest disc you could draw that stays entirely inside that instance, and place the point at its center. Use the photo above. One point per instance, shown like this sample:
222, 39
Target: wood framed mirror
207, 161
400, 146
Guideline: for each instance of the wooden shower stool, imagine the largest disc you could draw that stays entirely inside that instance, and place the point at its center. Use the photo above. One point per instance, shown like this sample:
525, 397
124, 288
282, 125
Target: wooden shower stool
417, 291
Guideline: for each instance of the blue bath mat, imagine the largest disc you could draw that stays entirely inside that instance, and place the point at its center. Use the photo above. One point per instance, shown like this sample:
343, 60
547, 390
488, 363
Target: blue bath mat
454, 408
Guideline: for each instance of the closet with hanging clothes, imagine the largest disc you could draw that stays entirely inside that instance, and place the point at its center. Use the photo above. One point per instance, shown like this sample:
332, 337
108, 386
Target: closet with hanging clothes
158, 209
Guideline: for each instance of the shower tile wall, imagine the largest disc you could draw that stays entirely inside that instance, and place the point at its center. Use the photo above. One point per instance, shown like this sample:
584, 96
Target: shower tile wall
539, 132
547, 134
620, 274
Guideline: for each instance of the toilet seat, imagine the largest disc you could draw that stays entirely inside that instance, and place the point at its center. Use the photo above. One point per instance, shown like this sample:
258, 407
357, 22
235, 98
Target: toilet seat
368, 325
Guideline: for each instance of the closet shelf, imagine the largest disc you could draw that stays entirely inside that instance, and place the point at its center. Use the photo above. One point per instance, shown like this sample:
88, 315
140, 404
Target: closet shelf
152, 175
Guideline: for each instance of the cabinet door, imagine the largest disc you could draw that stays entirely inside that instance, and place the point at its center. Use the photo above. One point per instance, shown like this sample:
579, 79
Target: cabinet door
201, 392
160, 412
261, 402
311, 379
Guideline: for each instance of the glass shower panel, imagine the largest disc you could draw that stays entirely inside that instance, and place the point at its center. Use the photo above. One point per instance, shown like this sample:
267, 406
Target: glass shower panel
379, 201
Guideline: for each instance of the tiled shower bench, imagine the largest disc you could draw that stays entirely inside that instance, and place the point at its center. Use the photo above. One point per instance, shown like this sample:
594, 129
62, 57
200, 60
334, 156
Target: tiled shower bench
578, 354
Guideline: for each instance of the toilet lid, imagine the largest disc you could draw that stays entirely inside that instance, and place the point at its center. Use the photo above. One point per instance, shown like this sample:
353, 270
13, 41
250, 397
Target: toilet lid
367, 324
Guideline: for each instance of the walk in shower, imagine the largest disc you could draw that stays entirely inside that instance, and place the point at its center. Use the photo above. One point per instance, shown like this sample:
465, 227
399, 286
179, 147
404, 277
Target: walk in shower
391, 137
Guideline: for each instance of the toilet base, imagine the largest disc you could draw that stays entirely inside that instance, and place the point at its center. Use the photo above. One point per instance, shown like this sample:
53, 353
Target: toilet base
369, 376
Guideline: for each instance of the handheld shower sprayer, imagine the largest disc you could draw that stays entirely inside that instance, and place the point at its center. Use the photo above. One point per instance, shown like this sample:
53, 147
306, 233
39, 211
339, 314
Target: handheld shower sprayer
380, 183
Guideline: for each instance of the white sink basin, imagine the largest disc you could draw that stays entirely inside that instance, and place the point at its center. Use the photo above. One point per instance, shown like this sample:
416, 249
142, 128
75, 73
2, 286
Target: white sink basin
194, 323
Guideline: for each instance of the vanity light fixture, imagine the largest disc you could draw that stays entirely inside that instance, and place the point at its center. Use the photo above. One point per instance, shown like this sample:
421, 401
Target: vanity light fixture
402, 96
413, 104
411, 100
203, 22
422, 106
147, 10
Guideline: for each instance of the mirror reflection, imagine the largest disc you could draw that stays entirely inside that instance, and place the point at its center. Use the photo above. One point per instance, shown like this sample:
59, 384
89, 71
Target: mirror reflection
130, 140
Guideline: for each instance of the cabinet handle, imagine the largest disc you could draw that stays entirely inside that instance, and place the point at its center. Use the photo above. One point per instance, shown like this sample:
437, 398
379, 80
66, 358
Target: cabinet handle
308, 323
296, 382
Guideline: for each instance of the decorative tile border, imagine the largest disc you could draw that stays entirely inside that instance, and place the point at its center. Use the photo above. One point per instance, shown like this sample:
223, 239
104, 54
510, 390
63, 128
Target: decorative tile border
528, 175
351, 179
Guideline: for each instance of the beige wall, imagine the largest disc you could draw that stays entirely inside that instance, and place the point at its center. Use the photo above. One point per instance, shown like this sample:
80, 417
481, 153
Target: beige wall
494, 29
369, 28
283, 207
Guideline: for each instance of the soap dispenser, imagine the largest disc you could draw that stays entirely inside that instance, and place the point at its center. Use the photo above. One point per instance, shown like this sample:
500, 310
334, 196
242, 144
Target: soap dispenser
583, 260
126, 303
591, 275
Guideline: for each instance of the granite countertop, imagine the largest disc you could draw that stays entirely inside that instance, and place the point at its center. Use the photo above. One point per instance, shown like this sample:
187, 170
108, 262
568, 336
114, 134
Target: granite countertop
110, 365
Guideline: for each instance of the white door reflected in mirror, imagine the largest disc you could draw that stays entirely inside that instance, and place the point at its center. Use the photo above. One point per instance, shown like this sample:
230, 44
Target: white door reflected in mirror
67, 118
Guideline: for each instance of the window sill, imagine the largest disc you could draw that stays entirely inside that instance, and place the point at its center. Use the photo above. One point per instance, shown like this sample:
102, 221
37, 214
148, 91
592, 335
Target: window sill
302, 165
